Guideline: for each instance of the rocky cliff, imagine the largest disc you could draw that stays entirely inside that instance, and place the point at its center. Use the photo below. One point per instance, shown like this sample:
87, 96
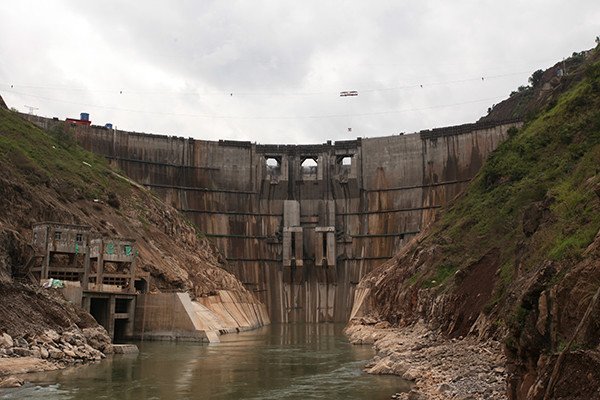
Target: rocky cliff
515, 257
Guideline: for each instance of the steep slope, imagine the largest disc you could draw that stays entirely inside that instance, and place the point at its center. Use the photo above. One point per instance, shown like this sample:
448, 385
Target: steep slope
46, 176
515, 257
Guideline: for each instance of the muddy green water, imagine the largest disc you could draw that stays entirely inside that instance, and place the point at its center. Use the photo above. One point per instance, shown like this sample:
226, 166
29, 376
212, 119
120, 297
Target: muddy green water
295, 361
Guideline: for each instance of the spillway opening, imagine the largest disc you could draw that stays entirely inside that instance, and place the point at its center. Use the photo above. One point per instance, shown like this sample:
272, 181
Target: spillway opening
309, 167
273, 165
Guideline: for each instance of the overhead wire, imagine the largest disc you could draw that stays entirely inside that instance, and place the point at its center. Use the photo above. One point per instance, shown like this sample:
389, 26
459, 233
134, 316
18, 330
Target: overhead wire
232, 117
126, 92
64, 88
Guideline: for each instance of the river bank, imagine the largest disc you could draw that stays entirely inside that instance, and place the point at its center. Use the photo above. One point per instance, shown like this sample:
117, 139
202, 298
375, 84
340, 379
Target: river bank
49, 351
440, 368
40, 331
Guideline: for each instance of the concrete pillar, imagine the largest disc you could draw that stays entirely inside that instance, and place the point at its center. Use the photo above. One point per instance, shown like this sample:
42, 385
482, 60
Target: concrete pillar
132, 277
325, 246
100, 266
131, 318
86, 269
111, 317
86, 303
292, 234
330, 210
46, 259
293, 246
320, 167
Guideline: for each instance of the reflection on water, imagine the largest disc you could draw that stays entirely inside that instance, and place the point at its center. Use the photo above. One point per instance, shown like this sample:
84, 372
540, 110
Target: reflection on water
293, 361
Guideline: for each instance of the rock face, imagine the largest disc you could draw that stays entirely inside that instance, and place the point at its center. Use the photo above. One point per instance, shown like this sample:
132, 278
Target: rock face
387, 295
541, 318
515, 257
552, 318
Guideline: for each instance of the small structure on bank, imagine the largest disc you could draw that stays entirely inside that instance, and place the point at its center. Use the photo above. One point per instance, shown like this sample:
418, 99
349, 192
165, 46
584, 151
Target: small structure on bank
98, 273
83, 120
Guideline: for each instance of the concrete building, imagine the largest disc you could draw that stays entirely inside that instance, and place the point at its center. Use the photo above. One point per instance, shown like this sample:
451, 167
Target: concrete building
98, 274
62, 252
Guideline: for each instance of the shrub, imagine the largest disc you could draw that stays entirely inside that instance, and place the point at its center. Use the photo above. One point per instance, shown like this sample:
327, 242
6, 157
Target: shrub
64, 136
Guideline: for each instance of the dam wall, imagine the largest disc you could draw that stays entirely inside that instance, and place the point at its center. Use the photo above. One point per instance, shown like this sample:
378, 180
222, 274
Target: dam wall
300, 225
176, 317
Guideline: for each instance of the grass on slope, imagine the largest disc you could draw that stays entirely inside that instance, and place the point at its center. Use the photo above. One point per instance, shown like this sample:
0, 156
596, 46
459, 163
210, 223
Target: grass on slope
54, 159
553, 160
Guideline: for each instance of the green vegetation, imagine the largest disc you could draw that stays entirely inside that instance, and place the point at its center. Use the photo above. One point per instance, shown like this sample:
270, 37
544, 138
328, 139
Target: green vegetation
550, 167
536, 78
145, 223
444, 272
55, 160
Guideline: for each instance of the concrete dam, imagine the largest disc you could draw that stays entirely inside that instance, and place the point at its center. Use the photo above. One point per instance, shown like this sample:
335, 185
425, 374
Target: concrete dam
300, 225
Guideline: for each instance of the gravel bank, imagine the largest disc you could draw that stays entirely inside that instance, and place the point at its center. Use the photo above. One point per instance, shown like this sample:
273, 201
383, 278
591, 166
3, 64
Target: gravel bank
49, 351
440, 368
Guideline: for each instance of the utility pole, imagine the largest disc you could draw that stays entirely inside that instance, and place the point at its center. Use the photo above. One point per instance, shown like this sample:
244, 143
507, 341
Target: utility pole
31, 109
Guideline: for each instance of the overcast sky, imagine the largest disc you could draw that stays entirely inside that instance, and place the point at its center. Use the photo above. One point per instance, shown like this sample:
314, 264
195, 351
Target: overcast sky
271, 71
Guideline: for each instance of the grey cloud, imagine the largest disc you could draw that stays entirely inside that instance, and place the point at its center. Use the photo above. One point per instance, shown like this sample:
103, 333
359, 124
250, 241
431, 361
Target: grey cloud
283, 62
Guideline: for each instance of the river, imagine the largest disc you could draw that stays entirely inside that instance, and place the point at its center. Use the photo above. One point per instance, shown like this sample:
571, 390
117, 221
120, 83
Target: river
294, 361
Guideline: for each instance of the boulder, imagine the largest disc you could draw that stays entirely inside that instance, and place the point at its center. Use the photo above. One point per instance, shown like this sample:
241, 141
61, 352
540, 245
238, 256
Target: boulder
56, 354
6, 341
414, 395
51, 335
21, 342
70, 353
98, 338
44, 353
73, 338
20, 351
444, 387
11, 382
81, 353
36, 352
412, 374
